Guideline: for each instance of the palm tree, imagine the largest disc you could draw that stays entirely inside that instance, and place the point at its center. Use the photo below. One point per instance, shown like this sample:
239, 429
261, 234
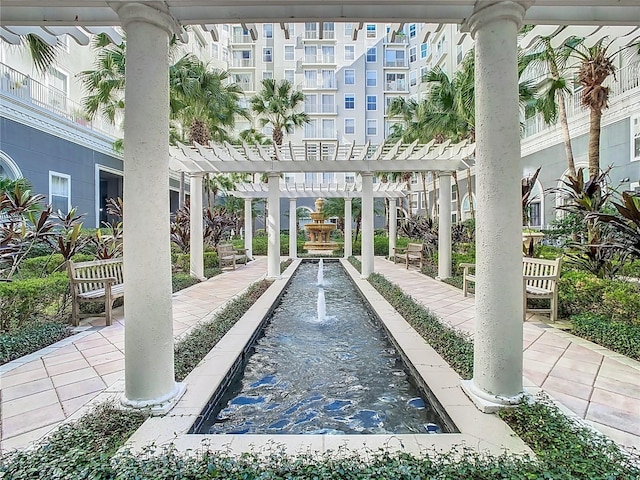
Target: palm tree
42, 54
596, 64
277, 105
553, 88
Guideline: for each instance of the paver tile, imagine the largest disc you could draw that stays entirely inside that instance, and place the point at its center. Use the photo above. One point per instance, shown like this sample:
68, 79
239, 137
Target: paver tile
567, 387
55, 359
73, 377
575, 404
19, 391
614, 417
24, 377
61, 368
27, 403
71, 405
80, 388
18, 424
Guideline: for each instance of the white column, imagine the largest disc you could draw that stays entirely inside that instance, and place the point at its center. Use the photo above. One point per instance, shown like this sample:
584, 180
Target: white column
393, 222
444, 227
348, 223
196, 250
293, 229
367, 225
497, 375
149, 374
248, 228
273, 227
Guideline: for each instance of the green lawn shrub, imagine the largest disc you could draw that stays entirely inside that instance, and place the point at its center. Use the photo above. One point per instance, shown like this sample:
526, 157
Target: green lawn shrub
180, 281
37, 267
631, 269
548, 252
582, 292
620, 337
30, 338
182, 261
380, 245
259, 244
22, 301
192, 348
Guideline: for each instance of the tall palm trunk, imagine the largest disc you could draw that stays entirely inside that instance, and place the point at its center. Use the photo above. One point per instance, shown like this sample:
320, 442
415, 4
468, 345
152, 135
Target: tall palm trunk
566, 135
278, 135
470, 193
436, 198
594, 142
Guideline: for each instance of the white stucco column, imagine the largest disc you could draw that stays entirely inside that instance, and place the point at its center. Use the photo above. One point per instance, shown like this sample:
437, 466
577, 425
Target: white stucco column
149, 373
348, 223
393, 224
293, 229
444, 226
196, 250
497, 374
273, 227
248, 228
367, 225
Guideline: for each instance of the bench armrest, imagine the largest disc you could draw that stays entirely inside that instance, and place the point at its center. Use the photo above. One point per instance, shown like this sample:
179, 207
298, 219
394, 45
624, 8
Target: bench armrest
399, 249
467, 265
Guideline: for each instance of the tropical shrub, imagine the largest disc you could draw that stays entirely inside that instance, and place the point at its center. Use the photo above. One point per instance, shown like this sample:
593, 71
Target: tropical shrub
30, 338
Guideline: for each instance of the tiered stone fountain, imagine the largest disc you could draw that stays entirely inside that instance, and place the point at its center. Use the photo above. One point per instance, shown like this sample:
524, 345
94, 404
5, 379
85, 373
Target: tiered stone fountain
319, 232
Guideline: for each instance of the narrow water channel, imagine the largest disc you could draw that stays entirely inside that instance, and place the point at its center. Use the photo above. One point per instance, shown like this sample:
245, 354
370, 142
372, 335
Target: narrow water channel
337, 374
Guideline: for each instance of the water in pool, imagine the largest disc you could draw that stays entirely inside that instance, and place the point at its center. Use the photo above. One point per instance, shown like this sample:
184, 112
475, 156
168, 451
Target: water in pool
323, 366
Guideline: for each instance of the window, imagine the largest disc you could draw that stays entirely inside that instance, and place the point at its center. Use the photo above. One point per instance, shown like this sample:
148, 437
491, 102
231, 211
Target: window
60, 192
349, 178
635, 138
372, 102
395, 82
225, 54
372, 55
328, 79
349, 101
412, 54
349, 77
459, 56
349, 126
454, 193
328, 54
329, 30
214, 51
424, 50
372, 78
349, 52
288, 52
267, 55
412, 30
348, 30
414, 200
267, 30
310, 30
535, 219
60, 83
328, 128
310, 53
289, 76
413, 78
394, 58
311, 78
371, 30
372, 127
267, 74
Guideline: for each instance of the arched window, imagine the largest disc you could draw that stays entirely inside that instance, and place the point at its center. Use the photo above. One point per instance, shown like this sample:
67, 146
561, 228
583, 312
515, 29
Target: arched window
8, 168
466, 206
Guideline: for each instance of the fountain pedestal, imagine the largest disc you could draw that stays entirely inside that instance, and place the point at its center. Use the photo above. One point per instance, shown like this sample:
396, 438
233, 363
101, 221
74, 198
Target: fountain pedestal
319, 232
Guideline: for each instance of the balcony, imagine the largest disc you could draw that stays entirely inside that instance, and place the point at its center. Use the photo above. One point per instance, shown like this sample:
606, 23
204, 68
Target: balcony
396, 86
241, 38
396, 63
29, 91
318, 133
321, 108
242, 63
319, 85
320, 59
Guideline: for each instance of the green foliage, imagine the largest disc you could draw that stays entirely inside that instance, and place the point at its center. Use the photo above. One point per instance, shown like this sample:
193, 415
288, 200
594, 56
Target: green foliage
192, 349
284, 265
46, 265
180, 281
380, 245
631, 269
82, 449
260, 243
580, 292
547, 252
23, 300
454, 346
181, 261
30, 338
620, 337
357, 264
566, 449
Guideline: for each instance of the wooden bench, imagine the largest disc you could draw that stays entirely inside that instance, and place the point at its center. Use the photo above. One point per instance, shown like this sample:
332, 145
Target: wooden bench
411, 253
540, 280
95, 281
228, 255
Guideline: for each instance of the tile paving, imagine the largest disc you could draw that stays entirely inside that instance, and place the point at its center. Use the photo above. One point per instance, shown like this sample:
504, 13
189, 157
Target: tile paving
41, 390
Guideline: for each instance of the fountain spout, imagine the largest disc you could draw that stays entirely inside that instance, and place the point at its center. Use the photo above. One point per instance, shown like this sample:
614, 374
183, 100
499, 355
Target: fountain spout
322, 306
320, 273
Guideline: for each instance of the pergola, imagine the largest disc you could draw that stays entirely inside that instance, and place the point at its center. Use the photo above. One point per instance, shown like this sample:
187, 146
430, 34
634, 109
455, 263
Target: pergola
149, 25
366, 160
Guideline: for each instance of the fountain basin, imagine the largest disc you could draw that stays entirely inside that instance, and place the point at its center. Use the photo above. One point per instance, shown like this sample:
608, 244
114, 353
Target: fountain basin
483, 432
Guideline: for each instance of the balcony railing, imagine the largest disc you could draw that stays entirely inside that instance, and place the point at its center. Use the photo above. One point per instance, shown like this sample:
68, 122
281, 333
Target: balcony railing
397, 86
243, 63
28, 90
320, 108
627, 79
319, 84
399, 63
241, 38
331, 59
320, 133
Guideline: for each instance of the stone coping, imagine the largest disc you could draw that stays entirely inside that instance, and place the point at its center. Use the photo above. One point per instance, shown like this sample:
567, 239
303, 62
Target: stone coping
482, 432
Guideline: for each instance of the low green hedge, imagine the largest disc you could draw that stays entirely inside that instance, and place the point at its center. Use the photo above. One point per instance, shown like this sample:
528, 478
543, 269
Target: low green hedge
30, 338
182, 261
193, 348
38, 267
582, 292
620, 337
23, 300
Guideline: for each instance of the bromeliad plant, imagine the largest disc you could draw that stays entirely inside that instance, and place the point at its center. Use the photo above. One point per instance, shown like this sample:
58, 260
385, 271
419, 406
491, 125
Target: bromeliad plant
627, 223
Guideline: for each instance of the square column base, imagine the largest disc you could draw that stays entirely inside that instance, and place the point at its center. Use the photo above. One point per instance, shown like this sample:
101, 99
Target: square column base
488, 403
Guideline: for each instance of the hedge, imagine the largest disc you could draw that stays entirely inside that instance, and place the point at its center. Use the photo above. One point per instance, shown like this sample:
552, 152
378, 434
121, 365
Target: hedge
582, 292
38, 267
182, 261
620, 337
22, 300
30, 338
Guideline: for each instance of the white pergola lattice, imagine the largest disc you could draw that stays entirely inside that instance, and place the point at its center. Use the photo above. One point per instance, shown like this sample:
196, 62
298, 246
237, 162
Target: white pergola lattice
324, 190
321, 157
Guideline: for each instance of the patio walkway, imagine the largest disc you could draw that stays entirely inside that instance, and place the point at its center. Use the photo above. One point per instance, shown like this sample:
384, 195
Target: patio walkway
42, 390
596, 384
